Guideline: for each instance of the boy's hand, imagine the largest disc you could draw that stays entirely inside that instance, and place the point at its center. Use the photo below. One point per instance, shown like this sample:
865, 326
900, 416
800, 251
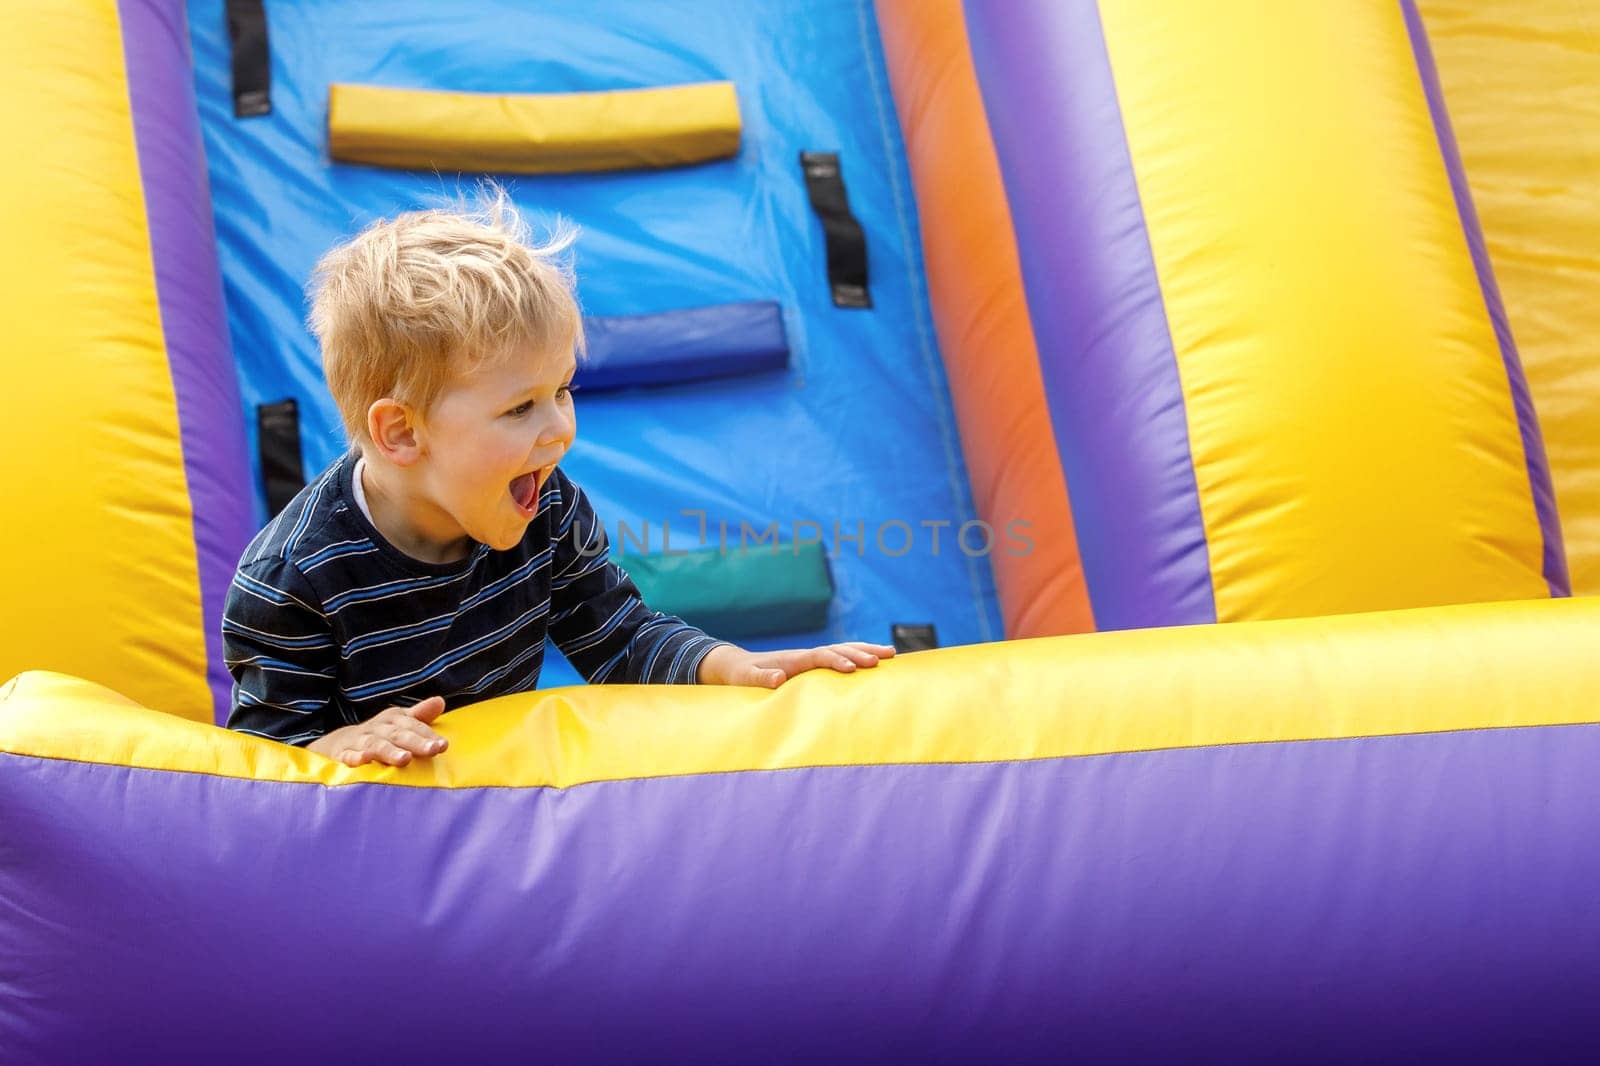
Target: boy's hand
728, 665
392, 737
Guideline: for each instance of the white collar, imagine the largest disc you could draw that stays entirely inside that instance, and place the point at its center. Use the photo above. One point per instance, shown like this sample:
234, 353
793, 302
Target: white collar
359, 492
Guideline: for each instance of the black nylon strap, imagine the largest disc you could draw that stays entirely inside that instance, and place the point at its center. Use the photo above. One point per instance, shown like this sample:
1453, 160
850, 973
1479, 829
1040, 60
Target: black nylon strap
914, 637
278, 443
252, 68
847, 243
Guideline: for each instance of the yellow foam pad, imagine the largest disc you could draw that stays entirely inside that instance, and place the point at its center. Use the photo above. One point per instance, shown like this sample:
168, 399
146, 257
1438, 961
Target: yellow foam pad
535, 133
1482, 666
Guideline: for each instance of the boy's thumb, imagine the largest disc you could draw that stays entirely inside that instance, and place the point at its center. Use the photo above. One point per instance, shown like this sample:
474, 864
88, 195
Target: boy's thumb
428, 709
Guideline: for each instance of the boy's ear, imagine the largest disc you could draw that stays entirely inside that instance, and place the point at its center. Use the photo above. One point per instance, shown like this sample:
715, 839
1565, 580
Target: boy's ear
392, 426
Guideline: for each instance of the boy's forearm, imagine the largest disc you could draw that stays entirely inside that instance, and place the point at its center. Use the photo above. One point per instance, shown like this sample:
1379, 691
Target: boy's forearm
256, 710
280, 649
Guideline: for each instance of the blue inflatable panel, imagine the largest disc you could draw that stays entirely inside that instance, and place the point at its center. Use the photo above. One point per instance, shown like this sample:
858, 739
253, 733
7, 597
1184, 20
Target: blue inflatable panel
677, 347
856, 444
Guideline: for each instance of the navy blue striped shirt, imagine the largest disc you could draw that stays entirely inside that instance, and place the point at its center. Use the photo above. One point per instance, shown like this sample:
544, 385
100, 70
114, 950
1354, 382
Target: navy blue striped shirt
327, 623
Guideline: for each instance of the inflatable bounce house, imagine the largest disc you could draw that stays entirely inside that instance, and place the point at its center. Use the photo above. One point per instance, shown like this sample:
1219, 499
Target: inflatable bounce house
1206, 396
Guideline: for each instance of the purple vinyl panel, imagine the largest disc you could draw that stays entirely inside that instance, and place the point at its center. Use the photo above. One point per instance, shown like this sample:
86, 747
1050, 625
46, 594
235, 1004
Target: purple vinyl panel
1105, 351
1544, 497
1391, 899
166, 128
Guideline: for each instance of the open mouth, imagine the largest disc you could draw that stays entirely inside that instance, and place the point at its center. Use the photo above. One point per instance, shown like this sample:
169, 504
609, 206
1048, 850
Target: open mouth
525, 490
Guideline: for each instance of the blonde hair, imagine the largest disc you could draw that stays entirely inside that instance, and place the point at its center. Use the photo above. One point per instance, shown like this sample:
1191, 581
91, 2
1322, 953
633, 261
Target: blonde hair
413, 301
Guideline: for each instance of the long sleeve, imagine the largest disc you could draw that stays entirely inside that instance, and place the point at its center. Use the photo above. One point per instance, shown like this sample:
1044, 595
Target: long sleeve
597, 617
279, 647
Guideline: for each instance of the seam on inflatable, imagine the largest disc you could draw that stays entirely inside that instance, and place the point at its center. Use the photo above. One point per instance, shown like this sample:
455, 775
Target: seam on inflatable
549, 786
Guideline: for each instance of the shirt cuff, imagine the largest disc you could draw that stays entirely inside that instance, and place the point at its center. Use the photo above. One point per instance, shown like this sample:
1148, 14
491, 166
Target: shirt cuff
702, 647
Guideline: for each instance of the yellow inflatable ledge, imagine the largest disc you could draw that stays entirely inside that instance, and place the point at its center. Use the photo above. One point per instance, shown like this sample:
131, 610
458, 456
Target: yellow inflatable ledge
1482, 666
538, 133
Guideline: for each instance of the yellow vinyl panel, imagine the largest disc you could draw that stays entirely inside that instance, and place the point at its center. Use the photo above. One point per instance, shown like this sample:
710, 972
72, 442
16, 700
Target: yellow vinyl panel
97, 554
1477, 666
1354, 440
1522, 80
533, 133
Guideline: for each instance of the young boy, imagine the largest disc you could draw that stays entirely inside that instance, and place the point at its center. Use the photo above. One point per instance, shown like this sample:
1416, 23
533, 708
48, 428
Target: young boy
425, 568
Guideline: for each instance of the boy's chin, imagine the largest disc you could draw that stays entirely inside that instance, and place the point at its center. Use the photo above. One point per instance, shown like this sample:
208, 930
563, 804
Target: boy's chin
506, 539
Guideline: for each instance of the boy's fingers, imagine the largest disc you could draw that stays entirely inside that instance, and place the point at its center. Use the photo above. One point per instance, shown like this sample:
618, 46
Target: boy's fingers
384, 751
428, 709
771, 678
860, 654
418, 739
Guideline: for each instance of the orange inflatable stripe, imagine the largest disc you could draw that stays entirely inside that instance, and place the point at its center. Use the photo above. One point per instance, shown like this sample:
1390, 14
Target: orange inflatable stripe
982, 316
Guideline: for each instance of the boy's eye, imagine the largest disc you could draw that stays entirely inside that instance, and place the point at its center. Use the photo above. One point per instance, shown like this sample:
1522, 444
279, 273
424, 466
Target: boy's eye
527, 405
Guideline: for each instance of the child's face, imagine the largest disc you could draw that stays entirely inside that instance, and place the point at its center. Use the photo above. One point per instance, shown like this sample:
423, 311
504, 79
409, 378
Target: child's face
490, 442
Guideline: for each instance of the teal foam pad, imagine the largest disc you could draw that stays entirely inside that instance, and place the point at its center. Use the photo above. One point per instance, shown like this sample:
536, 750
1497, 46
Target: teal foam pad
749, 592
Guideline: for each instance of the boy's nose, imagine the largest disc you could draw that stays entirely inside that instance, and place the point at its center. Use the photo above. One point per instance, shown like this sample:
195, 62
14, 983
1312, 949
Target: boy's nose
560, 431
